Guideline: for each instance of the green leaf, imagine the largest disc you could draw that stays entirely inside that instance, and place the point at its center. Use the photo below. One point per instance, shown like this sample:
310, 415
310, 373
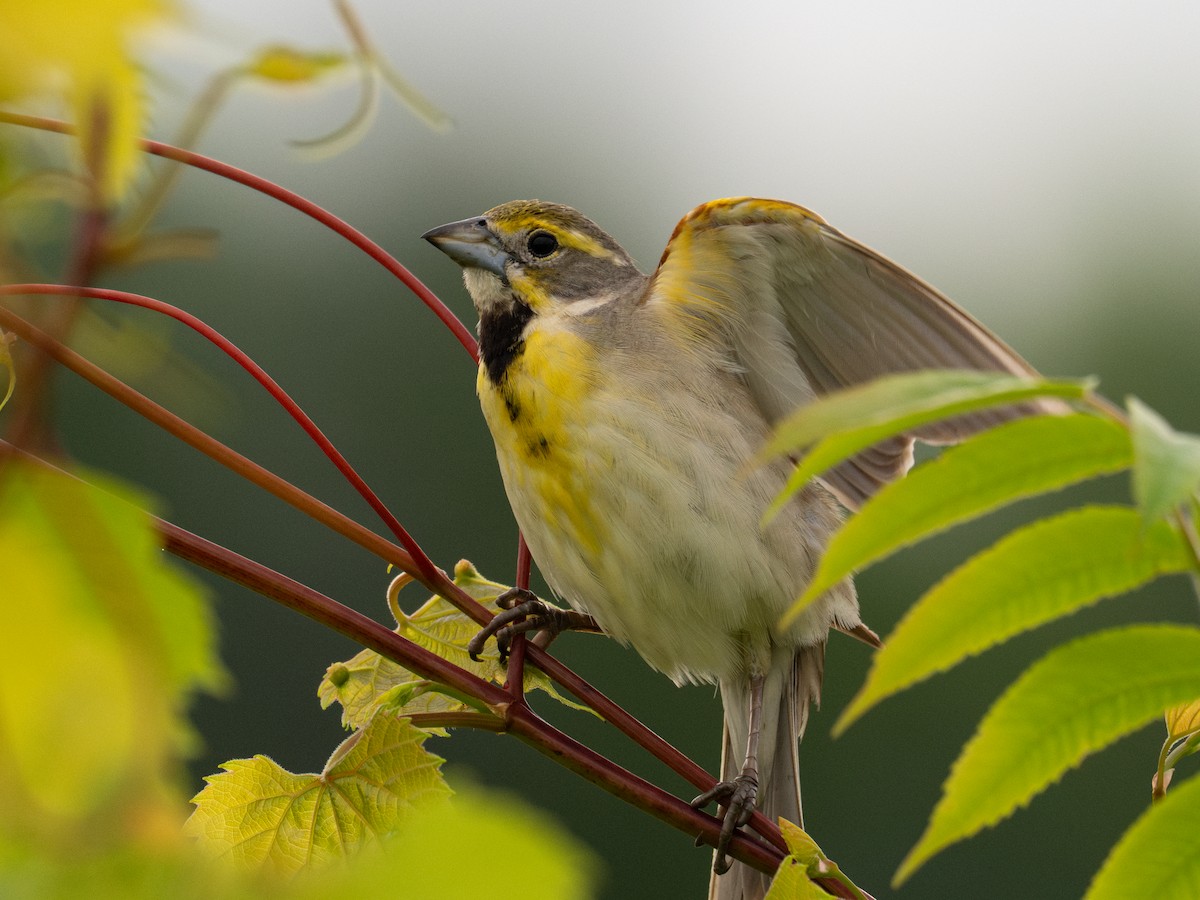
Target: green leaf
1166, 466
1035, 574
264, 817
482, 844
1015, 460
1159, 856
1077, 699
103, 643
839, 425
369, 682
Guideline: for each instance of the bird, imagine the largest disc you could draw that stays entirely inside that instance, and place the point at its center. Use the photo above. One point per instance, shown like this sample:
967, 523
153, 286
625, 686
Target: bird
625, 409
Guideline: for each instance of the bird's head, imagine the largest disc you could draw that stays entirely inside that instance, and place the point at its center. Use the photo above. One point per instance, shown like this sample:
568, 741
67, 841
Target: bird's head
541, 255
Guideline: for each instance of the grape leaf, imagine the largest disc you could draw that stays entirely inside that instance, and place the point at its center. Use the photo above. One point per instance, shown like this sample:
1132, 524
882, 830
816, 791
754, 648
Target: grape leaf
264, 817
368, 682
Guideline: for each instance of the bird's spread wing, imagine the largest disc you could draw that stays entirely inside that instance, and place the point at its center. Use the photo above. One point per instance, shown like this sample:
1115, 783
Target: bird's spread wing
799, 309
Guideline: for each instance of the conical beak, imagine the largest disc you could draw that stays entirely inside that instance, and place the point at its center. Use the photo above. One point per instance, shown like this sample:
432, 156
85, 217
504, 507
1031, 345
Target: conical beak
471, 244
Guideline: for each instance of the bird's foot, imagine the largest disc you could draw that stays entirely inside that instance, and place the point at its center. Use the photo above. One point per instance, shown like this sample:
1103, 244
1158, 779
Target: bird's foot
522, 612
739, 799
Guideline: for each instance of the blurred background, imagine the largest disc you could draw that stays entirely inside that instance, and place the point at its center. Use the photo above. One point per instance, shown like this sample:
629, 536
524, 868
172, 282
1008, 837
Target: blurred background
1039, 162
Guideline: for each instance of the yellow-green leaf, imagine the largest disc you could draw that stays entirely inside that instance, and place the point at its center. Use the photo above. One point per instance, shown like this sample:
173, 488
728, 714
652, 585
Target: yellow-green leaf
287, 65
81, 52
1015, 460
1166, 466
837, 426
1159, 856
460, 849
264, 817
1077, 699
369, 682
1183, 720
1038, 573
103, 643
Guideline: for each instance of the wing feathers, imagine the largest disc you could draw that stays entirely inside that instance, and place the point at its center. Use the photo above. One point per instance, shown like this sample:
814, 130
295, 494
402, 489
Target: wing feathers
802, 309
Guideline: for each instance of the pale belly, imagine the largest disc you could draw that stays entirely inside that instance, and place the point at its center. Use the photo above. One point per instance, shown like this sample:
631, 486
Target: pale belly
644, 517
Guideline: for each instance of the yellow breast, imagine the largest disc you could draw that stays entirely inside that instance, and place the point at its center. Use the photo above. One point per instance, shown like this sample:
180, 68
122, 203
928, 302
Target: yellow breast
538, 413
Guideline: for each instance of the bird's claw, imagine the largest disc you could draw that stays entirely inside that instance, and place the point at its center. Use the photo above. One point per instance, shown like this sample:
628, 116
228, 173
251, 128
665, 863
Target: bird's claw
739, 798
520, 612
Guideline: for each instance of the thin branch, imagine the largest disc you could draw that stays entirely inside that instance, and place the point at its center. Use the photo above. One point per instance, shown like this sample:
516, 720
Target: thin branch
292, 199
422, 561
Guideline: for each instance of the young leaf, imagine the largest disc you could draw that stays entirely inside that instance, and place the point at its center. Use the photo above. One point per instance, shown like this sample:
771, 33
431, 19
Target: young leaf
1077, 699
1183, 720
1166, 466
369, 682
839, 425
1035, 574
264, 817
804, 862
1014, 460
1159, 856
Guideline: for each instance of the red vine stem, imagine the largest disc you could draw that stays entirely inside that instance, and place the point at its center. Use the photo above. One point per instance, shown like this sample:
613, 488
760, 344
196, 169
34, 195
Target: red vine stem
420, 559
292, 199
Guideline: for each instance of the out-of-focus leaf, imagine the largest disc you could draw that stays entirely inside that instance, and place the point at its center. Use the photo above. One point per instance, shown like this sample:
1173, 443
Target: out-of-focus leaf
457, 849
6, 362
837, 426
81, 51
264, 817
288, 65
1159, 856
104, 643
1038, 573
1015, 460
1077, 699
368, 681
1166, 465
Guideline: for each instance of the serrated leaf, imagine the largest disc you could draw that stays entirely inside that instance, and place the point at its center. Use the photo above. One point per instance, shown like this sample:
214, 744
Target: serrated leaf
835, 427
1035, 574
369, 682
1166, 465
1159, 856
1009, 462
264, 817
1075, 700
103, 642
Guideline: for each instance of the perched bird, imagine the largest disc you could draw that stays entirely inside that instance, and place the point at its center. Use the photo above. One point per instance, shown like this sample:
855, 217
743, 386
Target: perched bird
624, 408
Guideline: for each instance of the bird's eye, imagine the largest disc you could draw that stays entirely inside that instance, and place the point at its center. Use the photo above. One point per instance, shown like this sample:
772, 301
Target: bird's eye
542, 243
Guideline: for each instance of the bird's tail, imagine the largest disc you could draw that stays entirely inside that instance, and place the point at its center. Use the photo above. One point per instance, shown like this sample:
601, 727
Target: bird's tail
790, 688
